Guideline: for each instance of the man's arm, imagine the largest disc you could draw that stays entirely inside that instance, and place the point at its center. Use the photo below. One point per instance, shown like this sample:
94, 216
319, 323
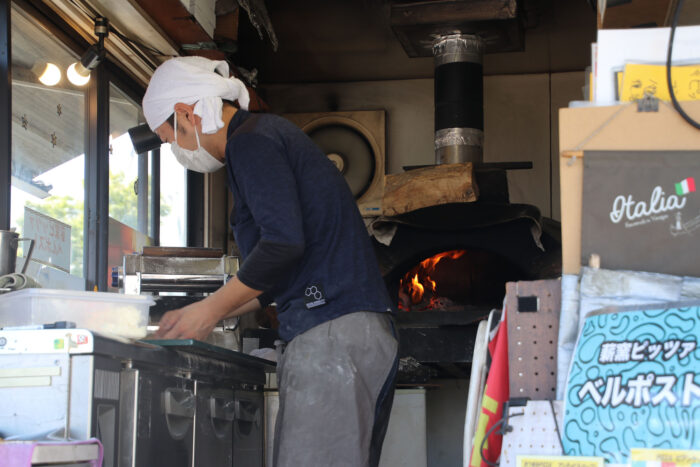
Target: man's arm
197, 320
252, 306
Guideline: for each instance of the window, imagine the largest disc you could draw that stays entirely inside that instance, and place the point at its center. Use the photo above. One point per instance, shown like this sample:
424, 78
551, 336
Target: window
173, 199
128, 172
48, 162
129, 182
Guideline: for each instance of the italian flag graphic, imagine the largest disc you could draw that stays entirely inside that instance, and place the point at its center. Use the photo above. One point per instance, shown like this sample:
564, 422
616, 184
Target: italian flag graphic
685, 186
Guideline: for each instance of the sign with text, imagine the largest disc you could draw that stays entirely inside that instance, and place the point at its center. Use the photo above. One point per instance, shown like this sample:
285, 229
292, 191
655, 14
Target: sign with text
558, 461
664, 458
634, 382
51, 239
641, 210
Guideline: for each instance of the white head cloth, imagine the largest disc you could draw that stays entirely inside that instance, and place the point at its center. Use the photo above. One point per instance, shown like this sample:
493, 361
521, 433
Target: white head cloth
192, 80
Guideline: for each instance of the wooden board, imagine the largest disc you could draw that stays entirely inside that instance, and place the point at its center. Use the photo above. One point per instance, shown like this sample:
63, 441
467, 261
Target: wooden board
430, 186
636, 13
192, 252
532, 339
449, 11
619, 128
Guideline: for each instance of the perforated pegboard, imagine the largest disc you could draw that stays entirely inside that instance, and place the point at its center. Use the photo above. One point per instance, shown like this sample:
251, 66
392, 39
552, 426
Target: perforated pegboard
533, 433
533, 327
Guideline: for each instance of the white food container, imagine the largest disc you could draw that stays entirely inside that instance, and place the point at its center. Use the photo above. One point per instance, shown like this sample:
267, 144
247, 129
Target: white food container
110, 314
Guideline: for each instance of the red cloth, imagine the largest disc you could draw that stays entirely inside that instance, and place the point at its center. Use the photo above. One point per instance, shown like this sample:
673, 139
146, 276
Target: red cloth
496, 393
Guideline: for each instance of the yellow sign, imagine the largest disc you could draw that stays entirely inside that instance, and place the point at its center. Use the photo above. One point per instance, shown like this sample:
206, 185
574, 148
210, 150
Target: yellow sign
639, 80
665, 456
559, 461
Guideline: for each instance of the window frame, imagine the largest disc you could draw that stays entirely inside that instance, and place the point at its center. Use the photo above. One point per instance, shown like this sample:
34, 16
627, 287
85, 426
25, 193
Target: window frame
96, 215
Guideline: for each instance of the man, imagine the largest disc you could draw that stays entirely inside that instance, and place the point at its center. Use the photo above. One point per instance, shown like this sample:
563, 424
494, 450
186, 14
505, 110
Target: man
304, 245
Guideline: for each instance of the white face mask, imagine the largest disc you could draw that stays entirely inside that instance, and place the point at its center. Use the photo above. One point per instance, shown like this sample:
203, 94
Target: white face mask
198, 160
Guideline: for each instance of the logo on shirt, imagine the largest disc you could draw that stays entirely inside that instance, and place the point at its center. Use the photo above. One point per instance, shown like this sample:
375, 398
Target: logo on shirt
314, 296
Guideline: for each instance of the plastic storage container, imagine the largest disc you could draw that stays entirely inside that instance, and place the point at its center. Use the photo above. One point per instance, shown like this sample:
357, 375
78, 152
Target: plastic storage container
110, 314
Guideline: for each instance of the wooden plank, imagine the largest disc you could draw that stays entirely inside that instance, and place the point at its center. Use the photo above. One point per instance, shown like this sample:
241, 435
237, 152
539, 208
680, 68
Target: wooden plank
227, 26
431, 186
182, 252
635, 13
532, 339
54, 454
178, 23
451, 11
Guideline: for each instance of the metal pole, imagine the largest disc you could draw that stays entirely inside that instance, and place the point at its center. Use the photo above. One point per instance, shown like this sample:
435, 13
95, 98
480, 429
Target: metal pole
459, 99
5, 114
155, 196
142, 197
195, 209
96, 230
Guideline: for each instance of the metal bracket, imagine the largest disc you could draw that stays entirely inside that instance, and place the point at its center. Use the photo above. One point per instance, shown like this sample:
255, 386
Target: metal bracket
649, 103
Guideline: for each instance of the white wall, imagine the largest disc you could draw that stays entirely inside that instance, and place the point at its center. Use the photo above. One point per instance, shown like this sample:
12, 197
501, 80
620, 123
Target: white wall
446, 408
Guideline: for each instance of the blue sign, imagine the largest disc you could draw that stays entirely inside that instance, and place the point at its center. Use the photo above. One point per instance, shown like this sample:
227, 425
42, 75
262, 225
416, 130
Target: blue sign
634, 382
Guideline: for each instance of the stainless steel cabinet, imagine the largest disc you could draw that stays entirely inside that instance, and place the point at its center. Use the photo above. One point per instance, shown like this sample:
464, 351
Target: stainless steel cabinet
248, 429
214, 421
157, 421
150, 406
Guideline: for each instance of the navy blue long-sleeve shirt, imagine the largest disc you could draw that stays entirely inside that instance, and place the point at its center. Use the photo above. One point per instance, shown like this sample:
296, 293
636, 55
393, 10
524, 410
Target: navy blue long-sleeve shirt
297, 226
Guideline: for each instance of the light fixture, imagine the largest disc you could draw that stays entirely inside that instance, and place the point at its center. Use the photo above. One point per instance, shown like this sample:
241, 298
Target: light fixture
144, 139
47, 73
79, 72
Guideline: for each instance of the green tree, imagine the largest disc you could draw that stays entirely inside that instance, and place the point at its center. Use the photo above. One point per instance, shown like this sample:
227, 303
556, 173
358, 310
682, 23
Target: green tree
70, 211
122, 207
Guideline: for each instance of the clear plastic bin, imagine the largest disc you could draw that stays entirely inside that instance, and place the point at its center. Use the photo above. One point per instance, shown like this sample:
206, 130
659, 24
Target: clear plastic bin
110, 314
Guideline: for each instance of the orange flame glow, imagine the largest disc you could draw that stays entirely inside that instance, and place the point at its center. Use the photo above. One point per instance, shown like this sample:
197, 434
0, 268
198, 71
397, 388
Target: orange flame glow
418, 279
416, 290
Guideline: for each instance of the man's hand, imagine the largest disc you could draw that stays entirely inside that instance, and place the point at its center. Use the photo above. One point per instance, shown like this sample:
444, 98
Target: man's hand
195, 321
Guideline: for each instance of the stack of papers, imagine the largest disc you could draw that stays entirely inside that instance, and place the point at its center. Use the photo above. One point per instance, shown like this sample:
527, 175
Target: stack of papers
629, 63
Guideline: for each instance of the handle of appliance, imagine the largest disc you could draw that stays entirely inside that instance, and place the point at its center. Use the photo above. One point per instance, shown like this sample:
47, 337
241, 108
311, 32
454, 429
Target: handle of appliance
222, 412
248, 411
222, 409
178, 408
28, 255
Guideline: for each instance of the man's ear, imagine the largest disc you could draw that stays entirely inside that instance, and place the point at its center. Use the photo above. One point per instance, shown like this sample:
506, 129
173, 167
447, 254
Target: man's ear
186, 111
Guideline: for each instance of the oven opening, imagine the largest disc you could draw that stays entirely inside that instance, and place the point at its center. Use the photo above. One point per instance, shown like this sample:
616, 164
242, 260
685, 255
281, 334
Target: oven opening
456, 280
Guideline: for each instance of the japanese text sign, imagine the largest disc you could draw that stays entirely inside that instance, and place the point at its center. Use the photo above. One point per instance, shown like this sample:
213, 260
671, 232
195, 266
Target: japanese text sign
640, 457
51, 239
558, 461
634, 382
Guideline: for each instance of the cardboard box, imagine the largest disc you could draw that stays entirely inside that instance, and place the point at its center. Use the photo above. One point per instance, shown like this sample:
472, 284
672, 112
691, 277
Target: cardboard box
619, 127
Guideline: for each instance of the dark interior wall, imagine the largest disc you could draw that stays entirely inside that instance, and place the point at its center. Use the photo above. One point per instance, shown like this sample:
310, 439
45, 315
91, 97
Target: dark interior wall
347, 41
408, 105
340, 55
521, 120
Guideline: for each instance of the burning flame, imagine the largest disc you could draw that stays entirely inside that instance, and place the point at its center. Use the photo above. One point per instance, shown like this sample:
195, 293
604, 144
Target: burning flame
418, 279
416, 290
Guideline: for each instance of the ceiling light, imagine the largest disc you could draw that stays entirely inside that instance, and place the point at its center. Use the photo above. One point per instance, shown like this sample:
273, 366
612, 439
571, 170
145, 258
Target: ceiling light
48, 73
79, 72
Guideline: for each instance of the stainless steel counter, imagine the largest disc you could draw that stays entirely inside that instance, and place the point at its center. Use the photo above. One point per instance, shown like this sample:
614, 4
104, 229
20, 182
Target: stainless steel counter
187, 404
